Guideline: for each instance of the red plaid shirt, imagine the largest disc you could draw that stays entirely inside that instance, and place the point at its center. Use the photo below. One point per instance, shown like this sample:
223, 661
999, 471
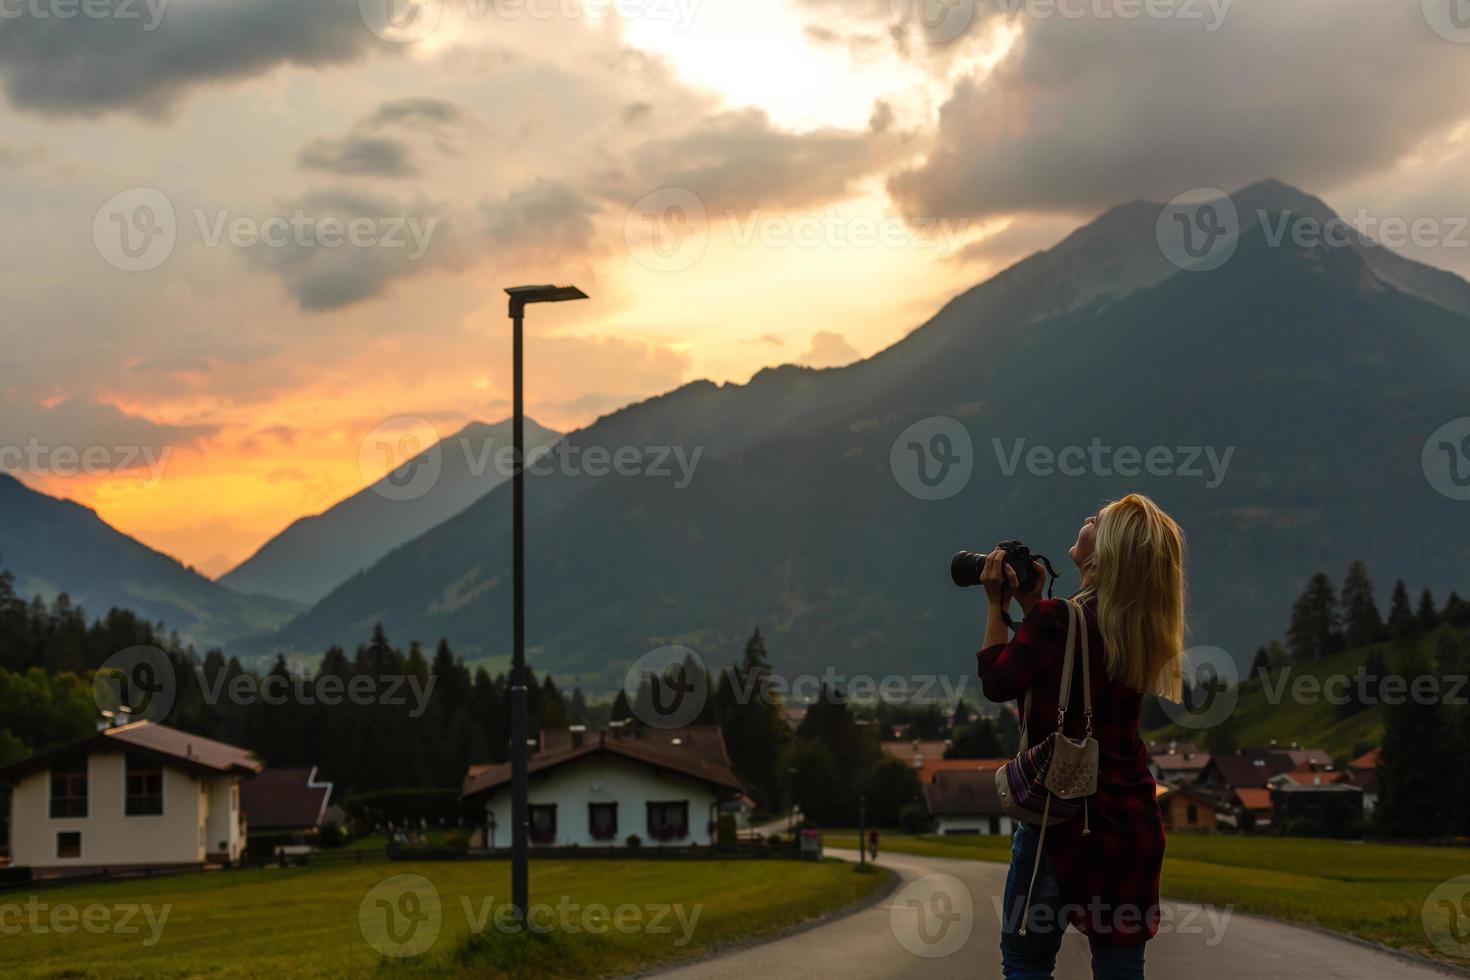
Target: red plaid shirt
1109, 880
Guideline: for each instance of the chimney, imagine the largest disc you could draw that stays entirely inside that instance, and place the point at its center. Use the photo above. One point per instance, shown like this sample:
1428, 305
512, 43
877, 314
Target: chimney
579, 732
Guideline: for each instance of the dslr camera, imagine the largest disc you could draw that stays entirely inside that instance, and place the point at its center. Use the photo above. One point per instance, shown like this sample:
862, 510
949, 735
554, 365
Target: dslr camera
966, 566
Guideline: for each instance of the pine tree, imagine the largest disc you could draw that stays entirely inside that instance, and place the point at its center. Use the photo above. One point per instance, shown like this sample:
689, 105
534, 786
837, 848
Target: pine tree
1414, 795
1428, 615
1315, 630
1401, 622
1456, 611
1362, 623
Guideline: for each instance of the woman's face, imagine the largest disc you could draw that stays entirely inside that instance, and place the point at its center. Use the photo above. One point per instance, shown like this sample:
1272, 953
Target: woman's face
1086, 537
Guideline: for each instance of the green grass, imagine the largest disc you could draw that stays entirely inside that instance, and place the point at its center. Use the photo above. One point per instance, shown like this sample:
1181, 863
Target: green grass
304, 922
1276, 713
1373, 891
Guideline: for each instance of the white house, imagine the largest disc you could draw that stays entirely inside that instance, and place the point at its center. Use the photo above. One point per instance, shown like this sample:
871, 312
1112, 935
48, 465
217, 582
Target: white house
661, 786
135, 796
964, 801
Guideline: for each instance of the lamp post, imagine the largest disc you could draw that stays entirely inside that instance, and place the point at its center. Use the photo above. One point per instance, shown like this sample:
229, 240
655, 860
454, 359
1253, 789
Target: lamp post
520, 298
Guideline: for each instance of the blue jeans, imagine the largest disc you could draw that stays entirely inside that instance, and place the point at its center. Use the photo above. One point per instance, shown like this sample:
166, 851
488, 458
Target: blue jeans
1034, 955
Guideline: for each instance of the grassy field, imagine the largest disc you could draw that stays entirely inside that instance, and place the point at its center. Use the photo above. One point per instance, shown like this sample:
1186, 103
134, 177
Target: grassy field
305, 922
1276, 712
1374, 891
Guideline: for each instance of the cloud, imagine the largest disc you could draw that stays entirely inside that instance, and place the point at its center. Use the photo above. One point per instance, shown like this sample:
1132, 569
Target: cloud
80, 424
359, 156
739, 160
546, 216
88, 65
766, 338
403, 239
411, 238
828, 349
15, 157
1082, 114
382, 143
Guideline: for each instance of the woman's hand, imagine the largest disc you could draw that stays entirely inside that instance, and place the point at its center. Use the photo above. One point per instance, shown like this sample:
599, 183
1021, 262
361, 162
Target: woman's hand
998, 578
1035, 595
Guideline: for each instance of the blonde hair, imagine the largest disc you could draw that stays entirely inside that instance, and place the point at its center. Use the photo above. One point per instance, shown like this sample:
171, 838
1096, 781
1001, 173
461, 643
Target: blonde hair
1138, 579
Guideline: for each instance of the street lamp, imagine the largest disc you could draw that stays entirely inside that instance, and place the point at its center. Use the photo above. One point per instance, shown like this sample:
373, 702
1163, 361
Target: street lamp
520, 298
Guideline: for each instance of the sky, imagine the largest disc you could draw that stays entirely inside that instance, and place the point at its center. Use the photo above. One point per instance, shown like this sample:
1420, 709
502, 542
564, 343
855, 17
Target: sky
243, 236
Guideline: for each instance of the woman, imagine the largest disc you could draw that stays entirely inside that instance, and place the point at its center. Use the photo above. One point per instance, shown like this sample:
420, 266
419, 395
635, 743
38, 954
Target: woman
1101, 876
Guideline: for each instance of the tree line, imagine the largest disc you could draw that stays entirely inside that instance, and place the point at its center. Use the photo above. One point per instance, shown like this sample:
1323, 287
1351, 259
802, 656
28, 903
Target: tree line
1424, 758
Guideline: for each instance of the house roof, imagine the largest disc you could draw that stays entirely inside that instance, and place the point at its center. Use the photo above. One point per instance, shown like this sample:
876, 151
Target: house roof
1250, 770
1253, 798
931, 770
1368, 760
697, 751
1311, 776
1185, 792
963, 794
285, 798
168, 745
1181, 758
911, 749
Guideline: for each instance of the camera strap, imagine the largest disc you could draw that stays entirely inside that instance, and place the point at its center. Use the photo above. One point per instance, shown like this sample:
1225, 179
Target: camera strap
1051, 578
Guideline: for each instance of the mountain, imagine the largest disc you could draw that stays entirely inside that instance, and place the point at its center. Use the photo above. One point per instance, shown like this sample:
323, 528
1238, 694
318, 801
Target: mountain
54, 546
316, 554
1320, 373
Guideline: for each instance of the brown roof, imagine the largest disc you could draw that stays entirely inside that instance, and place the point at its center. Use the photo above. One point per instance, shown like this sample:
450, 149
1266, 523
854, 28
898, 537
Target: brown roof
963, 794
1251, 770
169, 745
931, 770
697, 751
1254, 798
1368, 760
280, 799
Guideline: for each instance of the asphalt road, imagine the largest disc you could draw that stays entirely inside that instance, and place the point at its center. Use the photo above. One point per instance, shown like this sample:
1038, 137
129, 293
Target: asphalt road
943, 921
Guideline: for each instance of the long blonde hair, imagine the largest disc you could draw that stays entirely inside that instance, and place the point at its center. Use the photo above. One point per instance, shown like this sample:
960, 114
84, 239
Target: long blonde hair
1137, 567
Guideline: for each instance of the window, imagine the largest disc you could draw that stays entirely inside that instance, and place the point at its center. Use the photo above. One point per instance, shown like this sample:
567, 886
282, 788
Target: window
668, 821
543, 824
69, 844
994, 824
145, 789
602, 820
69, 789
1193, 815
